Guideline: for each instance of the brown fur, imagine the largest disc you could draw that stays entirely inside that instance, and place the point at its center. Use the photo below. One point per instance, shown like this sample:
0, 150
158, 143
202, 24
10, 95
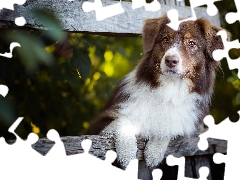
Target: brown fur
199, 64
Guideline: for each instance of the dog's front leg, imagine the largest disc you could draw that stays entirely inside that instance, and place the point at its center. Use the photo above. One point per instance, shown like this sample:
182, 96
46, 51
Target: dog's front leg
125, 140
155, 150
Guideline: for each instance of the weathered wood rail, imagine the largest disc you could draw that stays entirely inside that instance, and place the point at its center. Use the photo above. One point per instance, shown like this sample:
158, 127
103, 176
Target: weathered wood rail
74, 19
181, 146
129, 23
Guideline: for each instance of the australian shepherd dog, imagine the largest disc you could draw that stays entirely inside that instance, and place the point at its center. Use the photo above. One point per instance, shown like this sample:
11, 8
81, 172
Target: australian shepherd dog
168, 93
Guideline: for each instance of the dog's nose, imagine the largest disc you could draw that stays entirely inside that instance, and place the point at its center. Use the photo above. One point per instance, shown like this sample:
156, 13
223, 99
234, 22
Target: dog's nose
171, 61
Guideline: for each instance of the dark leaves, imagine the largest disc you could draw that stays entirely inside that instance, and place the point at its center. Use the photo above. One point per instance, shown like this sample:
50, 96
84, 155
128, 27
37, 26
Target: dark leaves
81, 62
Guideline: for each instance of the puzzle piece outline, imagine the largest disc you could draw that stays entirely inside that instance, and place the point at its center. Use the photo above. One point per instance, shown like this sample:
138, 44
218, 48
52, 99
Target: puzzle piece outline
12, 46
173, 13
232, 17
9, 4
100, 10
216, 131
224, 53
180, 162
19, 21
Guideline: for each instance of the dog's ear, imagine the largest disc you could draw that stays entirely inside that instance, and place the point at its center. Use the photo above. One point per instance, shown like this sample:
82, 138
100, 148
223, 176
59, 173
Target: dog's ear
150, 32
213, 41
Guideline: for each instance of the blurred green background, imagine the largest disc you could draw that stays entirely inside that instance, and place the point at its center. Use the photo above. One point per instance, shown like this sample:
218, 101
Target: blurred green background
62, 80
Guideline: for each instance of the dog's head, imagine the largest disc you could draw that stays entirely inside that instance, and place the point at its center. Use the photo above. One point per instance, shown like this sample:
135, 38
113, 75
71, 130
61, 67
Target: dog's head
185, 53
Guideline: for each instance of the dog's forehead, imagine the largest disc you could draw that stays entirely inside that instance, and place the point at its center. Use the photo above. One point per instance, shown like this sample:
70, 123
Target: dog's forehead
190, 29
189, 26
187, 29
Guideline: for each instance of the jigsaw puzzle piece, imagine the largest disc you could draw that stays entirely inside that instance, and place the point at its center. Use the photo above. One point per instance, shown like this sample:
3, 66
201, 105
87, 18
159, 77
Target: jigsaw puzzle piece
211, 8
203, 143
103, 12
224, 53
58, 149
153, 6
203, 173
12, 46
173, 13
86, 145
229, 131
20, 21
110, 156
103, 169
3, 90
13, 127
180, 162
219, 158
157, 174
216, 131
232, 17
132, 167
8, 4
231, 160
173, 16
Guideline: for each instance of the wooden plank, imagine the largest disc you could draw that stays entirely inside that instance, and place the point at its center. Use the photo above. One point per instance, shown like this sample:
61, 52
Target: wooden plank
170, 2
189, 168
180, 3
72, 144
201, 161
74, 19
143, 171
162, 2
184, 146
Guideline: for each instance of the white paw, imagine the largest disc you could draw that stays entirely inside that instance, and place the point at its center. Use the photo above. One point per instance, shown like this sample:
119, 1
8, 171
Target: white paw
154, 151
153, 157
125, 140
126, 155
126, 148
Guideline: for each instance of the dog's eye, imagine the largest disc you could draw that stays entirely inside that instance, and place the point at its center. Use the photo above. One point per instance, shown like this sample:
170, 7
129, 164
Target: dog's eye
191, 43
166, 39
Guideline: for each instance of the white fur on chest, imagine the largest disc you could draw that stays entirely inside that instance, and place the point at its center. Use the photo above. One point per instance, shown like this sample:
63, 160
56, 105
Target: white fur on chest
167, 111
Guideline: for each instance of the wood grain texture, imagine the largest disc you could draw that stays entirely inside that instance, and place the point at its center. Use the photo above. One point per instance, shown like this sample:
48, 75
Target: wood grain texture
201, 161
171, 2
101, 144
162, 2
180, 3
74, 19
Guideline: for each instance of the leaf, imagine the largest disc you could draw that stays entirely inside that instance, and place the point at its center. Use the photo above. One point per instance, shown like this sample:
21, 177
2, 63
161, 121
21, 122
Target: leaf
6, 112
231, 79
47, 19
81, 62
45, 39
32, 51
238, 98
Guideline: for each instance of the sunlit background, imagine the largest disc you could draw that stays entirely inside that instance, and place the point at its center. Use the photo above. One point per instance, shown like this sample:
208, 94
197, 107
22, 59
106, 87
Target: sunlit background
62, 80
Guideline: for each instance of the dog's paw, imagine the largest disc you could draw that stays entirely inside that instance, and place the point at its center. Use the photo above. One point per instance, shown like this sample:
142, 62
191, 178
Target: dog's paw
126, 148
154, 151
126, 155
125, 140
153, 156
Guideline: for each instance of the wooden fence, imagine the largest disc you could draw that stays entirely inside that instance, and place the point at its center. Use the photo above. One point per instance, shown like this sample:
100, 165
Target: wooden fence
184, 146
129, 23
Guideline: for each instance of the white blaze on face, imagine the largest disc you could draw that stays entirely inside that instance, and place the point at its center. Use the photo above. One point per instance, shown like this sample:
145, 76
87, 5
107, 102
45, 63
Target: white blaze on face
173, 51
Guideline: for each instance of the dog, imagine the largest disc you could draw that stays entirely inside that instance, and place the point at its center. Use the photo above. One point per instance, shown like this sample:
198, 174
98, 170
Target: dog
168, 93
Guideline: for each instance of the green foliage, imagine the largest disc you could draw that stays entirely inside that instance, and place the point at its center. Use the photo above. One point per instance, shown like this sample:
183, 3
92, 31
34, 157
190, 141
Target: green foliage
62, 81
48, 20
81, 62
